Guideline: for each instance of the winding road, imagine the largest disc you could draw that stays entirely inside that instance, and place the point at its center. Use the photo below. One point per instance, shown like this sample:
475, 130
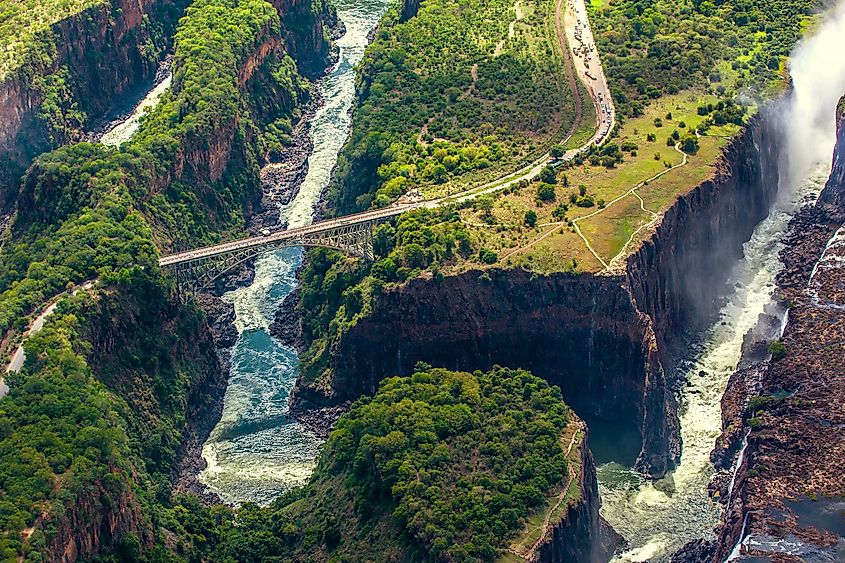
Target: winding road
19, 356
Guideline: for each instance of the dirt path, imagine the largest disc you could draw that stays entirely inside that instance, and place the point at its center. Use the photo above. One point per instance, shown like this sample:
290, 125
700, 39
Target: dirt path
530, 553
614, 262
517, 8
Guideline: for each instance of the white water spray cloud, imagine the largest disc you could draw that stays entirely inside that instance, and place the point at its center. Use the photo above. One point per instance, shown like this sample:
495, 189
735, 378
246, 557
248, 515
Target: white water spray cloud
817, 68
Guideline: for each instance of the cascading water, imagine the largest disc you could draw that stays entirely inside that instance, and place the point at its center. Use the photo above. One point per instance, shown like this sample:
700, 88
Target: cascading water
256, 450
658, 518
123, 130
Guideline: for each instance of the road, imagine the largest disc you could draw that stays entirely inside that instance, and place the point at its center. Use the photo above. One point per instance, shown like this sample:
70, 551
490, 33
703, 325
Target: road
579, 39
19, 356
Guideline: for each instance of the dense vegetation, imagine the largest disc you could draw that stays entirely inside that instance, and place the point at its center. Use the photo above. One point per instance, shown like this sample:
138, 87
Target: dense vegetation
100, 408
25, 25
654, 47
446, 97
336, 291
89, 211
440, 465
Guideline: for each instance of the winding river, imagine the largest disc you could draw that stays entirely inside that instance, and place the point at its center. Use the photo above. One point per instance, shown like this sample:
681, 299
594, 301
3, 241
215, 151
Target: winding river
256, 450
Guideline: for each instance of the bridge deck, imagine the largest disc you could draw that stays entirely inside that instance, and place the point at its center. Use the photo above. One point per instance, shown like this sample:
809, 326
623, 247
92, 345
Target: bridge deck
318, 227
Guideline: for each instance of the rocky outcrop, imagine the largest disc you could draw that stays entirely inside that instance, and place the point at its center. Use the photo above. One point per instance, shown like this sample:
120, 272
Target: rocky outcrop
101, 517
409, 9
307, 28
581, 534
109, 51
787, 500
833, 195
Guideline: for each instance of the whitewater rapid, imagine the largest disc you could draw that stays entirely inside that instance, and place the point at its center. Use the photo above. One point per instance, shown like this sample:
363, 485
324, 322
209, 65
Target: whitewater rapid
659, 518
256, 450
124, 130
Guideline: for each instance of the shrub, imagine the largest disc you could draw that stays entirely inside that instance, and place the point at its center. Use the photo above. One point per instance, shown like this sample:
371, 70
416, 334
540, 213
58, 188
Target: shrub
777, 349
487, 256
546, 192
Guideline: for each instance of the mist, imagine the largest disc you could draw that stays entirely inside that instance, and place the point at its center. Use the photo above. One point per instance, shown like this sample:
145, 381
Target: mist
817, 68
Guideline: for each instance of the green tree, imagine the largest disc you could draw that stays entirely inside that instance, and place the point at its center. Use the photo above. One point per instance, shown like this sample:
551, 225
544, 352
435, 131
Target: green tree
548, 175
546, 192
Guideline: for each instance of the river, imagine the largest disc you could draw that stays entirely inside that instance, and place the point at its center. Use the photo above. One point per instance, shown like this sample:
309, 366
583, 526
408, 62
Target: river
123, 130
658, 518
256, 450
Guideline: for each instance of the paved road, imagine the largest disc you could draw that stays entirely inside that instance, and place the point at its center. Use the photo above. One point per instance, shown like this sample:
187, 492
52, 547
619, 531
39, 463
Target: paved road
19, 356
589, 70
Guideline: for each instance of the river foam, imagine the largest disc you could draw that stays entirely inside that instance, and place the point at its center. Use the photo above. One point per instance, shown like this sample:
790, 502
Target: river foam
256, 450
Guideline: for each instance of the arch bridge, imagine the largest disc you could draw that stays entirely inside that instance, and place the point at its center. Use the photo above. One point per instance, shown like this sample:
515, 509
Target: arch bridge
199, 268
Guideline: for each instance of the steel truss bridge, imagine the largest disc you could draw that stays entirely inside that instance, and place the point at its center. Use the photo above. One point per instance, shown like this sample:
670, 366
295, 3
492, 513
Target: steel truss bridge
352, 234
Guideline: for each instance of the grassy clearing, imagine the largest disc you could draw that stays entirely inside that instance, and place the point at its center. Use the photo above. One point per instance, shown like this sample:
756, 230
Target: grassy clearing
553, 244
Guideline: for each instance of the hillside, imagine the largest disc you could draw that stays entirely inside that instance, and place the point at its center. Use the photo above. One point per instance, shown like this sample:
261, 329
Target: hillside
120, 376
439, 465
590, 214
453, 94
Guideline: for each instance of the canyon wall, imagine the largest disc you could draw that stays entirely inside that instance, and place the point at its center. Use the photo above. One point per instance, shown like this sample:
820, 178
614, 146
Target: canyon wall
581, 534
108, 51
677, 275
609, 341
582, 333
787, 499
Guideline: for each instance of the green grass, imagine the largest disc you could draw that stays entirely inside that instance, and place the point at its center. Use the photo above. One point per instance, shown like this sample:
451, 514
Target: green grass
610, 229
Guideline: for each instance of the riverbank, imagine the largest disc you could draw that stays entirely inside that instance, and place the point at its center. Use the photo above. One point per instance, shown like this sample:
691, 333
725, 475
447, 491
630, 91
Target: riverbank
252, 449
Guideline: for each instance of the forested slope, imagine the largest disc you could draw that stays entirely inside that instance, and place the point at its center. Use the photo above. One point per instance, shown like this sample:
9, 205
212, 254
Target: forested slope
90, 429
437, 466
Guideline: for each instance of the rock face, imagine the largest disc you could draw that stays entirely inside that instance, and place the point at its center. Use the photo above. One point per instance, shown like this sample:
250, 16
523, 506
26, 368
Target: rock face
158, 357
109, 50
571, 330
100, 518
606, 340
582, 535
787, 500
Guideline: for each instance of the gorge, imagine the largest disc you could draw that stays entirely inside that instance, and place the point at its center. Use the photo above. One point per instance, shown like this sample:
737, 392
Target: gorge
489, 387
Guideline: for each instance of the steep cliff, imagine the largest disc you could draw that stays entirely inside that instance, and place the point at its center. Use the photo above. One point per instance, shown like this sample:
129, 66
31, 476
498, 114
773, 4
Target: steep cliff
581, 535
86, 64
609, 341
677, 275
786, 502
126, 378
582, 333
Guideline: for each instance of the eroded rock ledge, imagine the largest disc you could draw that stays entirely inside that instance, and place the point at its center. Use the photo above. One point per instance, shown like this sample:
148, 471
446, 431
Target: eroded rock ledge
789, 491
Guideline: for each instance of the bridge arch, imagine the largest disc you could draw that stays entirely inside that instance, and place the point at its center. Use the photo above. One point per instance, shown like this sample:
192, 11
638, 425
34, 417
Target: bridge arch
197, 272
